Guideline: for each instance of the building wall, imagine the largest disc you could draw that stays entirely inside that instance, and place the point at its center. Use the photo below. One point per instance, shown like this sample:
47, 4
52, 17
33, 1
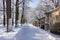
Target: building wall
52, 18
54, 21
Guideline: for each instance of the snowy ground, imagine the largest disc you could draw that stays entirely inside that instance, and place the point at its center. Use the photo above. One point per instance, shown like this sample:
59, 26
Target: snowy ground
30, 32
27, 32
10, 35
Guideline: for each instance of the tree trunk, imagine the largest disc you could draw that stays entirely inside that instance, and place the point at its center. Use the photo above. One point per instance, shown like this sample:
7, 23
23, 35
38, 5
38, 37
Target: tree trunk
4, 12
22, 16
17, 13
8, 12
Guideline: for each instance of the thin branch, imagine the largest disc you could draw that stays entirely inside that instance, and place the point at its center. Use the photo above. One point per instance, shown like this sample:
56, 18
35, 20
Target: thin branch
18, 3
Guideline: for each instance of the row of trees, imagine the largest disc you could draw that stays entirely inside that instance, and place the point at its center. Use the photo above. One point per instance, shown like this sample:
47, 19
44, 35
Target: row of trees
48, 5
8, 9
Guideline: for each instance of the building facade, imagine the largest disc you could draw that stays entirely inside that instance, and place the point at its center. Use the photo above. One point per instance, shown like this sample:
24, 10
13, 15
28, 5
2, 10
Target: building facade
52, 20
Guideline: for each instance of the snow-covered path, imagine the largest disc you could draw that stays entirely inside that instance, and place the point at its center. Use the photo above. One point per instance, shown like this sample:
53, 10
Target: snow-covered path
29, 32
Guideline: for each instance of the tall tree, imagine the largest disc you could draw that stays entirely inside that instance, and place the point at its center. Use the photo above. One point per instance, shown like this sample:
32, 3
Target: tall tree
22, 16
17, 10
23, 20
8, 12
17, 13
4, 12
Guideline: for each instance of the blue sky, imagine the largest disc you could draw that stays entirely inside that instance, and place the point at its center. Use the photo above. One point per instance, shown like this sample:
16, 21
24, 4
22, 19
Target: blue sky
33, 3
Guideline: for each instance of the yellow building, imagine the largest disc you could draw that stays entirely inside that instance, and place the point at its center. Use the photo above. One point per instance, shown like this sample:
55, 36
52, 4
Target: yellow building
52, 18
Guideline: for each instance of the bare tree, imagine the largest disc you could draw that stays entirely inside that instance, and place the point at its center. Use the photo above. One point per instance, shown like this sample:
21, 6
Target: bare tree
8, 12
17, 13
56, 2
22, 11
23, 19
4, 12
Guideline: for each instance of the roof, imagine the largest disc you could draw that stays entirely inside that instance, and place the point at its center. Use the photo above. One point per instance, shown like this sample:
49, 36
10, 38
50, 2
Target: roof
54, 10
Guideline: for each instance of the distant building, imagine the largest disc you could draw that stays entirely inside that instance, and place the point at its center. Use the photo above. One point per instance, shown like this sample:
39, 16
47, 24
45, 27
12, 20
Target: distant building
52, 20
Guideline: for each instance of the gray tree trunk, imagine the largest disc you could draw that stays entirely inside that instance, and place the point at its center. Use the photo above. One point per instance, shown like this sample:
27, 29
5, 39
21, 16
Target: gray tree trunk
22, 16
4, 12
17, 13
8, 12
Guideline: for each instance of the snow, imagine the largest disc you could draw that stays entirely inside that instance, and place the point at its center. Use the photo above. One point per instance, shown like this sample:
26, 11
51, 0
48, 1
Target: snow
10, 35
56, 37
27, 32
30, 32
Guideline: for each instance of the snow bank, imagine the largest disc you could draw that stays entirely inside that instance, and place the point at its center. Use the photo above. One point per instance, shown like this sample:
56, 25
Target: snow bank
10, 35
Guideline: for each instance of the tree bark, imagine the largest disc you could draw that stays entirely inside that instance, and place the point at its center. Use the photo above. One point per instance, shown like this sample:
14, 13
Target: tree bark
4, 12
17, 13
8, 12
22, 16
